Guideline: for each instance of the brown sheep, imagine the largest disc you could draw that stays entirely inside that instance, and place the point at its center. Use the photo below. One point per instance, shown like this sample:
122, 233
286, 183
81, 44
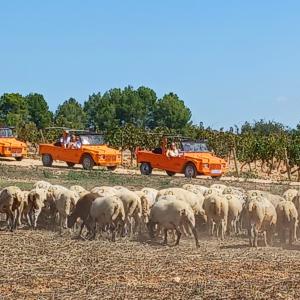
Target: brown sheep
81, 210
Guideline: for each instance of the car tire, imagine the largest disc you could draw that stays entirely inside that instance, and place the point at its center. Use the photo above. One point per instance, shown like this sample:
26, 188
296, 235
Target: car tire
111, 168
145, 168
47, 160
87, 162
19, 158
170, 173
190, 171
70, 164
216, 177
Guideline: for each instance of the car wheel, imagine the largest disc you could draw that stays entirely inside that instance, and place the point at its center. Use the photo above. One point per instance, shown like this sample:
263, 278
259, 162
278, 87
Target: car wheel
19, 158
216, 177
87, 162
111, 168
47, 160
190, 171
70, 164
170, 173
145, 168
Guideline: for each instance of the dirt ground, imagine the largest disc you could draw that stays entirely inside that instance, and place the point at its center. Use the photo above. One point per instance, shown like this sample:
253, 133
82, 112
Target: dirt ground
44, 264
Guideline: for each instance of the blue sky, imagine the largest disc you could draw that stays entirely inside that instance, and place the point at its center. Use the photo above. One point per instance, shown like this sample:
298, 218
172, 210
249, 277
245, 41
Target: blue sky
230, 61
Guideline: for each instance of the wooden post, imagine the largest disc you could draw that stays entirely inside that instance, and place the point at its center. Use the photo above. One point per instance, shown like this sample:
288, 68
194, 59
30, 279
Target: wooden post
235, 162
287, 162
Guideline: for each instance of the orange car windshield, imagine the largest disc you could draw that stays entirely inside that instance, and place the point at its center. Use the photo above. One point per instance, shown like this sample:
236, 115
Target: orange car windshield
6, 132
92, 139
194, 147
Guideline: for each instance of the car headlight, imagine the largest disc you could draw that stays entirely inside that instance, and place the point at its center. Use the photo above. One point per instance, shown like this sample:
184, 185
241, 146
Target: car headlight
7, 149
101, 156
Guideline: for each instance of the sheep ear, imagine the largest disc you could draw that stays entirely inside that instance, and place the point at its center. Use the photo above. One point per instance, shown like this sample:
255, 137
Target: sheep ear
228, 197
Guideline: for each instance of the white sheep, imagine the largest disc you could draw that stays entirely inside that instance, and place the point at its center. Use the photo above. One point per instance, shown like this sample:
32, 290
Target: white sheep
132, 208
262, 217
216, 210
290, 194
10, 200
65, 201
151, 195
108, 212
195, 188
218, 186
287, 219
37, 199
235, 206
42, 185
104, 191
79, 189
174, 214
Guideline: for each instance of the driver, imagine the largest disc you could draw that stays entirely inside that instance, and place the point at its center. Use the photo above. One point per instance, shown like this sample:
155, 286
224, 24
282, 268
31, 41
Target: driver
65, 139
173, 151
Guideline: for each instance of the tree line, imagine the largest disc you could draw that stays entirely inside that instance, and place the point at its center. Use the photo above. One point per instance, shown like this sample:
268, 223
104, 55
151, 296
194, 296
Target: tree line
129, 117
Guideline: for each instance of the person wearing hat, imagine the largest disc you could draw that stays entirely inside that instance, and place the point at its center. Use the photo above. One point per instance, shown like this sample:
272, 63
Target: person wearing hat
173, 151
65, 139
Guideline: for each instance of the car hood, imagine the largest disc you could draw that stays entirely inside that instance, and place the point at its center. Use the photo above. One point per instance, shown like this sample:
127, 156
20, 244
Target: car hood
206, 157
11, 142
103, 149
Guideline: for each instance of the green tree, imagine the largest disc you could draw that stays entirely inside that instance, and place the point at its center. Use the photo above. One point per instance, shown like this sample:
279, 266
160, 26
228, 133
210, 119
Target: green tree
149, 99
100, 111
171, 112
131, 107
38, 110
13, 109
70, 114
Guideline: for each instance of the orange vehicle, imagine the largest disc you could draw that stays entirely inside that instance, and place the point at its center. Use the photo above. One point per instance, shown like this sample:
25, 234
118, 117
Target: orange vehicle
88, 149
10, 146
193, 158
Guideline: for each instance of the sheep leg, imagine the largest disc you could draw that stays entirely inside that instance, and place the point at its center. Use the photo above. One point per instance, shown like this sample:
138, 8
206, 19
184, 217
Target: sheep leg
36, 215
223, 229
16, 218
251, 235
265, 238
195, 236
178, 233
113, 232
293, 233
11, 220
165, 237
93, 236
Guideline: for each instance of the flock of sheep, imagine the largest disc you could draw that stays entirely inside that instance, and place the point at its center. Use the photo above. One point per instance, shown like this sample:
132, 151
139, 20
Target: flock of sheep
219, 209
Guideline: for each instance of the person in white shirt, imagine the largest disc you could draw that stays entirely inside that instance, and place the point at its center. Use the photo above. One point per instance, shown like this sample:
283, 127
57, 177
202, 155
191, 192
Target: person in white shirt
173, 152
65, 139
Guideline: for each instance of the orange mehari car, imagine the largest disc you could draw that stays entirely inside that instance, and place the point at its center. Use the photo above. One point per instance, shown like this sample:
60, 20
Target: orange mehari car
10, 146
92, 152
194, 159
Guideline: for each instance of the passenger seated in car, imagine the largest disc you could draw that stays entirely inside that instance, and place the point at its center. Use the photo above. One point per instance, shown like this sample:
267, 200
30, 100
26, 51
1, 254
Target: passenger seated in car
65, 139
173, 151
78, 143
74, 143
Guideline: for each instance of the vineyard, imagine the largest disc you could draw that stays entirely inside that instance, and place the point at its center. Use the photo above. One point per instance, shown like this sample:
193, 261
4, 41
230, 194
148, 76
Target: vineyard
267, 146
132, 118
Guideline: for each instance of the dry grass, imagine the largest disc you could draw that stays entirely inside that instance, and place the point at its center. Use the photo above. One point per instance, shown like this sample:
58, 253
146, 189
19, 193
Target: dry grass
44, 265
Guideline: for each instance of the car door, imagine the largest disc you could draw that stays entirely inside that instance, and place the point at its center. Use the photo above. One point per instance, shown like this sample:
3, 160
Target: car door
71, 155
173, 164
